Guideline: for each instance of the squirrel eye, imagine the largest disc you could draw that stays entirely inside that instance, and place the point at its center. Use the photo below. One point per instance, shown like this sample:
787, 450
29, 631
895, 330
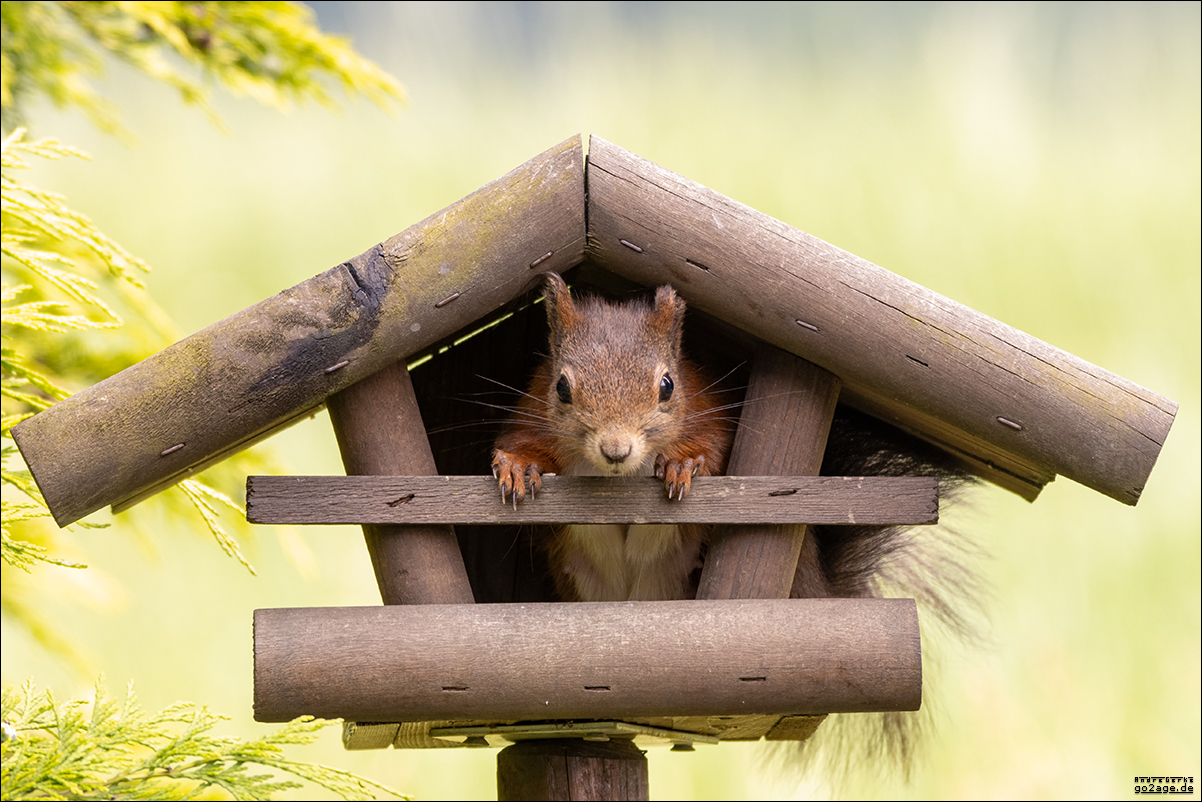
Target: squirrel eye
564, 390
665, 388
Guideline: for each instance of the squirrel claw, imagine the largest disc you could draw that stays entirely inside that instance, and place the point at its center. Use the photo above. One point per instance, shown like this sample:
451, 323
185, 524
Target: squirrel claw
512, 473
678, 476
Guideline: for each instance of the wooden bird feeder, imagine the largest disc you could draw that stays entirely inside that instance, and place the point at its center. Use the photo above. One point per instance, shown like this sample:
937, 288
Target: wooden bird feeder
469, 649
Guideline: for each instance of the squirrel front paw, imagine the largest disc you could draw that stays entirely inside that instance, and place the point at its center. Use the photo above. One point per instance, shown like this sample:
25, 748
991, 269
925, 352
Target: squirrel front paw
512, 472
678, 476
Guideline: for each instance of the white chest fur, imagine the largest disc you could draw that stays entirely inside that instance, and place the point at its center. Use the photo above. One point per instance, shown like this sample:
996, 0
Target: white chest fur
619, 562
613, 562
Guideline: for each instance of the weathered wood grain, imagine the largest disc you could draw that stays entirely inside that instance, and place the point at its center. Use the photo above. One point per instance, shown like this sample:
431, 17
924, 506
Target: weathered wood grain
783, 430
1020, 409
218, 390
1016, 409
591, 499
621, 660
572, 769
379, 431
416, 734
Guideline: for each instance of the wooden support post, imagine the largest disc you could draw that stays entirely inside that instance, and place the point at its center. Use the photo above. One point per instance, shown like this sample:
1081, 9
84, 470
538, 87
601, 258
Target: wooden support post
783, 431
380, 432
572, 769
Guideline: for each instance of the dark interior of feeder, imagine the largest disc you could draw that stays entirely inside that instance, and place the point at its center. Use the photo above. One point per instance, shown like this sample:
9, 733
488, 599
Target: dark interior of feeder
464, 391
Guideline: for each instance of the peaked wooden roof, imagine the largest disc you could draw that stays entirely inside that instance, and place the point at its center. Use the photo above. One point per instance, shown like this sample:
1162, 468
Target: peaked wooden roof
1018, 410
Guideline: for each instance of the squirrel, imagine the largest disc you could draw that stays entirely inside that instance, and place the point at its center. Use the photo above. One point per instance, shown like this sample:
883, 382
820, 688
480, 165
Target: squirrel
616, 396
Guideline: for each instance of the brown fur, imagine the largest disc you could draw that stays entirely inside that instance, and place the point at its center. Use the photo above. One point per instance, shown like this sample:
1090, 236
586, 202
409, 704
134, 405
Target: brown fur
612, 360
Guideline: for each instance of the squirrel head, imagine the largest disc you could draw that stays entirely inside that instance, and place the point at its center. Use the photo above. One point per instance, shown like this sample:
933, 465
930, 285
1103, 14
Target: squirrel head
617, 386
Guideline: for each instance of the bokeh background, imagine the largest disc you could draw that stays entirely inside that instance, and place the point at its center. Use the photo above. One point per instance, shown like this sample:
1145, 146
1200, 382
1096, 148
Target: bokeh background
1038, 162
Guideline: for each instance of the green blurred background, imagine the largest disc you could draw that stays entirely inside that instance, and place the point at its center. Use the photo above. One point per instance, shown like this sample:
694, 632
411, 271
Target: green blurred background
1039, 163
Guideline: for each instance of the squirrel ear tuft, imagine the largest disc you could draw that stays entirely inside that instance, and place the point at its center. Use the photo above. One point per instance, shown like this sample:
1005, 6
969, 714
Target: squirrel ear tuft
561, 312
667, 316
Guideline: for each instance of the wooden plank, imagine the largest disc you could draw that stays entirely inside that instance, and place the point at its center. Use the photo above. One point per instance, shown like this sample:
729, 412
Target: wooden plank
591, 499
416, 734
495, 734
217, 390
794, 728
1017, 404
617, 660
724, 728
372, 735
783, 429
379, 431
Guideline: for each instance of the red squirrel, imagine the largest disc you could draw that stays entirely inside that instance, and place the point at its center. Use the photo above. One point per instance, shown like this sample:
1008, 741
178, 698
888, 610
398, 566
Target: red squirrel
615, 397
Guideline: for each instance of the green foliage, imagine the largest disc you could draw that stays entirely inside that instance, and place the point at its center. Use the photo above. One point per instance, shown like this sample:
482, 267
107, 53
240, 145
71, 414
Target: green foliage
60, 751
39, 236
56, 267
271, 52
63, 280
48, 253
75, 312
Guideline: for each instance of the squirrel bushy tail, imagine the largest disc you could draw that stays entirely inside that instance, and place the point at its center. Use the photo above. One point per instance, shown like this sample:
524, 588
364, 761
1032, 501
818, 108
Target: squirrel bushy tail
861, 561
930, 564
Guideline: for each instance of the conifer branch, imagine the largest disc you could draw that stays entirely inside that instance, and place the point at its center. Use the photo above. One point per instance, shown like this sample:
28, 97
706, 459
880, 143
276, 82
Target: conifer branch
59, 751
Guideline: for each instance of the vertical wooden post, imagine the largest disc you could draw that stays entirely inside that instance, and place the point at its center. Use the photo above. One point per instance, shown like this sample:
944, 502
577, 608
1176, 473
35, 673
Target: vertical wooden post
569, 768
380, 433
782, 432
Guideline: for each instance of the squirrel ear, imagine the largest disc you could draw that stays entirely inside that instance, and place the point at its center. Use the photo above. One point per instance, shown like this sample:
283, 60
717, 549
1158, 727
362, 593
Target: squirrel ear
561, 312
667, 317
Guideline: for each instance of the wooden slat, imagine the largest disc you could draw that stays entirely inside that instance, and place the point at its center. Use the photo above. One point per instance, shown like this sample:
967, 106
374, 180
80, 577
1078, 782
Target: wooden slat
591, 499
379, 431
783, 430
416, 734
614, 660
216, 391
1017, 405
373, 735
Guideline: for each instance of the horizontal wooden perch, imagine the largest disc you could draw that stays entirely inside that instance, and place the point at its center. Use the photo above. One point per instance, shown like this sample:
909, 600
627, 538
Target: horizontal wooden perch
591, 499
620, 660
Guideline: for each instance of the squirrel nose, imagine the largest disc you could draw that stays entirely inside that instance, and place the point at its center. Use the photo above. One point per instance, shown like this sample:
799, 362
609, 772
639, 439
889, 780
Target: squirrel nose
616, 450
